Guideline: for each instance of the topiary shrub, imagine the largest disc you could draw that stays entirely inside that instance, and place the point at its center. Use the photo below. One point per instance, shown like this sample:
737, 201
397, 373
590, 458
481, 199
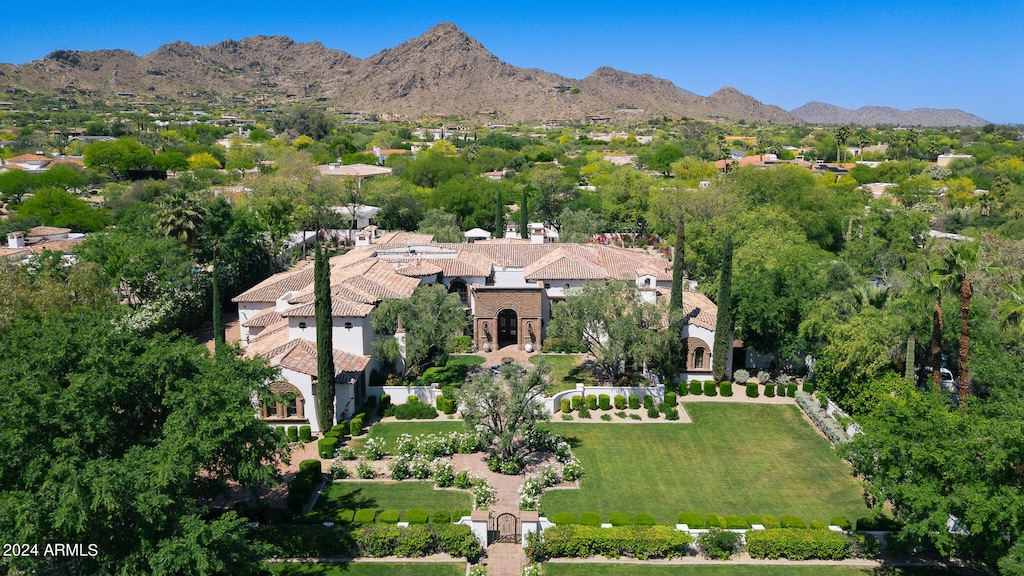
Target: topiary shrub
634, 402
648, 402
416, 516
305, 434
364, 516
565, 406
780, 389
292, 432
754, 519
344, 515
841, 521
818, 525
356, 425
653, 413
726, 389
619, 519
696, 388
770, 522
670, 399
446, 405
791, 390
798, 544
752, 390
577, 402
620, 402
591, 402
711, 388
325, 446
643, 519
693, 520
590, 519
385, 403
716, 520
311, 468
459, 514
769, 391
563, 518
388, 517
719, 544
736, 523
604, 401
413, 410
808, 387
792, 522
441, 517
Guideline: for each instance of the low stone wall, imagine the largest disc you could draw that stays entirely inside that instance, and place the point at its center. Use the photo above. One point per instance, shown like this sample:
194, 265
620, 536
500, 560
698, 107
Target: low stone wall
401, 394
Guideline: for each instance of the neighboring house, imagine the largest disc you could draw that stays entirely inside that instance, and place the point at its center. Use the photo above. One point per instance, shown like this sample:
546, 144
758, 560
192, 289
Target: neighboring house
944, 159
23, 245
357, 172
37, 163
363, 213
507, 286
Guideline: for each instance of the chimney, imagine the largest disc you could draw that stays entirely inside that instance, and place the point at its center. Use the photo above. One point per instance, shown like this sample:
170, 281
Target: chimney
16, 240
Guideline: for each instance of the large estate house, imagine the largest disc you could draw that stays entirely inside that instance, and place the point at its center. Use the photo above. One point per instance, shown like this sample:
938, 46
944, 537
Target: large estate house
507, 286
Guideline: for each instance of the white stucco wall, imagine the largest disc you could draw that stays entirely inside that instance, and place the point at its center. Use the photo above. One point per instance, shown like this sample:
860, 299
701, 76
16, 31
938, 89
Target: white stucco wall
352, 340
509, 277
246, 310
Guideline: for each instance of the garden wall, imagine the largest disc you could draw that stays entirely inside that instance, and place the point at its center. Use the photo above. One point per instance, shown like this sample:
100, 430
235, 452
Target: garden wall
553, 403
401, 394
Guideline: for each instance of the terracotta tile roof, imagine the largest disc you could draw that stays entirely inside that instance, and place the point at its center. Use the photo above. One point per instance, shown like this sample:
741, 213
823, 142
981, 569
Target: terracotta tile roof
263, 319
28, 159
560, 265
300, 355
700, 310
42, 231
354, 170
12, 252
274, 336
419, 267
405, 238
272, 288
60, 245
340, 308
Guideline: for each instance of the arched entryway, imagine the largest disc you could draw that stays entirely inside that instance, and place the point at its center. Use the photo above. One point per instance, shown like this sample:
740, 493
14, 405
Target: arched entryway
508, 328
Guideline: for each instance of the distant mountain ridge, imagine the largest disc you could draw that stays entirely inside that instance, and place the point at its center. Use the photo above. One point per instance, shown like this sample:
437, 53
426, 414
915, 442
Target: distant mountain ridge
821, 113
441, 72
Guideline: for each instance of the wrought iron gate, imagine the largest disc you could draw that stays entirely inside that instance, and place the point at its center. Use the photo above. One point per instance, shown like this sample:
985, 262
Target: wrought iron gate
504, 528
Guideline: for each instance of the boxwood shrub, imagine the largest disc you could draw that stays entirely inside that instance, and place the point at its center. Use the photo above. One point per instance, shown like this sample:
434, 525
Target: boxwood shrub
780, 389
643, 519
791, 390
719, 544
459, 514
771, 522
564, 518
305, 434
620, 402
792, 522
565, 406
819, 525
619, 519
670, 399
696, 388
841, 521
736, 523
344, 515
379, 540
385, 403
754, 519
292, 432
325, 446
441, 517
726, 389
416, 516
716, 520
388, 517
313, 469
591, 402
356, 425
634, 402
692, 519
808, 387
605, 401
590, 519
652, 412
711, 388
798, 544
446, 405
364, 516
640, 542
752, 390
413, 410
769, 391
648, 402
577, 402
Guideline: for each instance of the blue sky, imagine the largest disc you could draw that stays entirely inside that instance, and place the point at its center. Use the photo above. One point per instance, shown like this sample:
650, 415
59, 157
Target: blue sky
904, 54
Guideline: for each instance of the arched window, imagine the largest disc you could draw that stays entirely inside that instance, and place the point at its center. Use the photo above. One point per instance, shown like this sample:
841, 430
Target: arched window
459, 287
698, 358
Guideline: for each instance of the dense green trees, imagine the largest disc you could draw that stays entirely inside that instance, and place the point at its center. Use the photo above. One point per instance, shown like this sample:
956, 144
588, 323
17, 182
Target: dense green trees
430, 319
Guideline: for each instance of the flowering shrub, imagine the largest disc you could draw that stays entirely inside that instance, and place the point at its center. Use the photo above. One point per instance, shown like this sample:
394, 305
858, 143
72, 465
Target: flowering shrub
420, 467
462, 480
529, 493
444, 476
572, 470
365, 471
483, 494
346, 453
338, 470
374, 449
549, 477
400, 469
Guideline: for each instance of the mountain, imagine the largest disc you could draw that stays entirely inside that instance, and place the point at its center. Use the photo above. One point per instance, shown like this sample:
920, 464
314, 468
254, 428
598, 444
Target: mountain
821, 113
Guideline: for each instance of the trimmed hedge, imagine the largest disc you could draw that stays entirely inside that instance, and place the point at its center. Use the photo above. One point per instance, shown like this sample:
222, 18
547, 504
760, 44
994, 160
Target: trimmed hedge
441, 517
389, 517
458, 514
604, 401
818, 525
564, 518
566, 406
696, 388
364, 516
754, 519
771, 522
446, 405
726, 389
643, 519
841, 521
313, 469
792, 522
881, 523
798, 544
620, 402
577, 402
416, 516
412, 410
379, 540
345, 515
716, 520
736, 523
752, 390
292, 432
711, 388
305, 434
591, 402
634, 402
670, 399
640, 542
619, 519
769, 391
590, 519
325, 446
356, 425
808, 387
648, 402
780, 389
385, 403
791, 390
692, 519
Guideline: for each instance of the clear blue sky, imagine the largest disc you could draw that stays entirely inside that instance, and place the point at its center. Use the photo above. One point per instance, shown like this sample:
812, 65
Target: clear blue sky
904, 54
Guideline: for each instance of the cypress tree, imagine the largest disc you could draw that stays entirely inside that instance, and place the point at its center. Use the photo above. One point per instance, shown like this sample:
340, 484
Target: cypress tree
499, 218
524, 218
723, 323
324, 343
675, 301
218, 312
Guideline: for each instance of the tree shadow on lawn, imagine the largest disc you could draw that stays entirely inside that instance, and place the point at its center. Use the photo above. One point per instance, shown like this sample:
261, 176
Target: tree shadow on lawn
329, 505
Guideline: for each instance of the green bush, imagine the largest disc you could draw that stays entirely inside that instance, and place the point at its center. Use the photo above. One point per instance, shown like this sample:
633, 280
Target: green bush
841, 521
305, 434
726, 389
416, 516
881, 523
652, 412
332, 433
752, 390
671, 414
711, 388
564, 518
364, 516
693, 520
325, 446
769, 391
619, 519
344, 515
620, 402
379, 540
719, 544
792, 522
808, 387
292, 432
591, 402
566, 406
385, 403
791, 390
462, 343
643, 519
754, 519
577, 402
798, 544
818, 525
590, 519
356, 425
446, 405
671, 386
604, 401
780, 389
641, 542
313, 469
388, 517
714, 520
341, 429
771, 522
413, 410
459, 514
682, 388
648, 402
696, 388
670, 399
441, 517
736, 523
634, 402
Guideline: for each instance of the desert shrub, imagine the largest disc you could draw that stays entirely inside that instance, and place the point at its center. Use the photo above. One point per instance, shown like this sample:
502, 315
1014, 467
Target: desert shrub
726, 389
634, 402
565, 406
792, 522
754, 519
828, 426
763, 377
736, 523
740, 376
446, 405
356, 425
791, 390
819, 525
711, 388
696, 388
577, 402
388, 517
694, 520
591, 402
641, 542
798, 544
364, 516
292, 432
441, 517
564, 518
808, 387
841, 521
648, 402
643, 519
769, 391
719, 544
652, 413
590, 519
325, 446
618, 519
305, 434
771, 522
416, 516
716, 520
619, 402
413, 410
670, 399
752, 390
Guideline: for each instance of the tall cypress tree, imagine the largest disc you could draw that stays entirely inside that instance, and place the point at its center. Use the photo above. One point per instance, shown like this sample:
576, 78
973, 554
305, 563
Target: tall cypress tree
218, 311
524, 218
324, 343
499, 218
723, 323
675, 301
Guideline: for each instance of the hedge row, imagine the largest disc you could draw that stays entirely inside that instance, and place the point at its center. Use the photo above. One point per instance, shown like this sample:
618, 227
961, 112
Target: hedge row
413, 409
798, 544
300, 489
696, 521
641, 542
414, 541
372, 515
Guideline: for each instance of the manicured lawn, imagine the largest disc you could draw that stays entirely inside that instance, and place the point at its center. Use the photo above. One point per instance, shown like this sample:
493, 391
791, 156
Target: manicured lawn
390, 431
561, 365
559, 569
407, 495
468, 360
371, 569
733, 459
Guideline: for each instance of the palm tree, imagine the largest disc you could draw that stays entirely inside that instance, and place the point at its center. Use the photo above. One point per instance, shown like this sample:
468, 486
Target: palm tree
910, 139
960, 262
180, 216
1012, 309
842, 135
934, 285
863, 141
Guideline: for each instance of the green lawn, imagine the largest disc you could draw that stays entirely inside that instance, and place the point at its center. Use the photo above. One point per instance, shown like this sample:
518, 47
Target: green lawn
733, 459
468, 360
371, 569
390, 431
576, 569
407, 495
561, 365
